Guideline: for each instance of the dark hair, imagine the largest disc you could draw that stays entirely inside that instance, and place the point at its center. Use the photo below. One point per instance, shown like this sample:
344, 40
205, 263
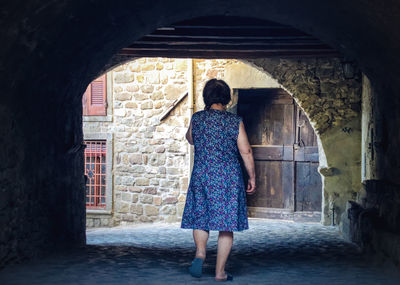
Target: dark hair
216, 91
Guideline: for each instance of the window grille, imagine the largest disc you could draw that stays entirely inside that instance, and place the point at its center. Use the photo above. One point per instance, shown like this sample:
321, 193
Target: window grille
95, 170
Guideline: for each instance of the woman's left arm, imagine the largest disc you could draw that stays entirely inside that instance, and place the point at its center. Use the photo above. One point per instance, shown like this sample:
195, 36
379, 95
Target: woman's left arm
189, 133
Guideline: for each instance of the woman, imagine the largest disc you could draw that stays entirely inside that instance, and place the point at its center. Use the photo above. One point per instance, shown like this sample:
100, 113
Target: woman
216, 198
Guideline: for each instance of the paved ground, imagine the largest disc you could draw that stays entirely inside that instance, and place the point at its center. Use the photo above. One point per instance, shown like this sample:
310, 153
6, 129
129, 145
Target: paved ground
270, 252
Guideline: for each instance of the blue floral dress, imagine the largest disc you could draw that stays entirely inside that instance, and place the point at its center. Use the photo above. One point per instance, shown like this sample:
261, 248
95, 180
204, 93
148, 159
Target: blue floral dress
216, 197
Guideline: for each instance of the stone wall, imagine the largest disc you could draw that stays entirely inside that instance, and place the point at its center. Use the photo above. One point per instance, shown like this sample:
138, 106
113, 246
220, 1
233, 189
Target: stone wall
150, 158
333, 106
320, 88
373, 219
40, 175
235, 73
13, 193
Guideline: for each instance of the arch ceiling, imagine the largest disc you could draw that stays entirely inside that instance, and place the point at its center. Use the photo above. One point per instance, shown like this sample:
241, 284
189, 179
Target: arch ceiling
228, 37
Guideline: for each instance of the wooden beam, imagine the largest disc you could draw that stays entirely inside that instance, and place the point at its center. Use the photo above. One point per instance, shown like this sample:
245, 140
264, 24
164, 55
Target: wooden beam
226, 41
230, 32
228, 37
230, 47
229, 27
227, 21
175, 103
233, 37
224, 54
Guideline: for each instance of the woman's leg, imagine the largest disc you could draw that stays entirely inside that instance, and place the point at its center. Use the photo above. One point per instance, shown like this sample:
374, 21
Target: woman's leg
200, 239
225, 240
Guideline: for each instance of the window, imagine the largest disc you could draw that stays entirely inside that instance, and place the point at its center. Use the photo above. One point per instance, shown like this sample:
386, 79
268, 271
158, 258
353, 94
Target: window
94, 99
97, 100
98, 158
95, 170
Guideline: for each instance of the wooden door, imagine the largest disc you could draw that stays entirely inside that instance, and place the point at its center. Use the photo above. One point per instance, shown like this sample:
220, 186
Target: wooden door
308, 184
285, 153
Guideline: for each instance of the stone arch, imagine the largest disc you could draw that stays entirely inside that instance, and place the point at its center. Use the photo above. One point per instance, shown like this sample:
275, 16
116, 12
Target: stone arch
130, 78
320, 89
333, 106
43, 77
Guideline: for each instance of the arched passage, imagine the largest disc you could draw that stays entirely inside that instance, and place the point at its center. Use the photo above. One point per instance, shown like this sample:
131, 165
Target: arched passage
43, 78
318, 86
333, 105
245, 74
149, 157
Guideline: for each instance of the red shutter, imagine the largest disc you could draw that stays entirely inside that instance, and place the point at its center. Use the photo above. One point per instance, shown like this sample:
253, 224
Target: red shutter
94, 100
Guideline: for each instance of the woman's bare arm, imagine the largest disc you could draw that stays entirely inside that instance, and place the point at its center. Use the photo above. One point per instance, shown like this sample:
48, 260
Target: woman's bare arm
189, 133
247, 154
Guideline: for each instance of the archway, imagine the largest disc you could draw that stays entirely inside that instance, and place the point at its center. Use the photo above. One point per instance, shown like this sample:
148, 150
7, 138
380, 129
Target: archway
332, 104
29, 92
319, 84
141, 81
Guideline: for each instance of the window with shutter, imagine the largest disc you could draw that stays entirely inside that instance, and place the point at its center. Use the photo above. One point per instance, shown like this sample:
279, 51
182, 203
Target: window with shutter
94, 100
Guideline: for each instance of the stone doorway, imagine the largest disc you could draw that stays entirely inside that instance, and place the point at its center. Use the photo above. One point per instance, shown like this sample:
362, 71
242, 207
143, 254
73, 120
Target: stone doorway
286, 156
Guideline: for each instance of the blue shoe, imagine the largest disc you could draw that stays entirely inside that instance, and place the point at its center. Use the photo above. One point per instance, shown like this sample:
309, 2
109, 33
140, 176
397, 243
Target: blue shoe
196, 268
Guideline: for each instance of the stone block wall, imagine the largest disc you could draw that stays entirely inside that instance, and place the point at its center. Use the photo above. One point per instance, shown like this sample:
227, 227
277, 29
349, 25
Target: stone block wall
374, 220
205, 70
235, 73
150, 168
320, 88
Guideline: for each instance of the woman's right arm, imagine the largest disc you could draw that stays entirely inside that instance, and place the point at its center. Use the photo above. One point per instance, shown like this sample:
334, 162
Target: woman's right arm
247, 154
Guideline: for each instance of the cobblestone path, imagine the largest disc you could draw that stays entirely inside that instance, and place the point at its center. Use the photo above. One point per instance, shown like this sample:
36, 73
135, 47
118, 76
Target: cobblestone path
270, 252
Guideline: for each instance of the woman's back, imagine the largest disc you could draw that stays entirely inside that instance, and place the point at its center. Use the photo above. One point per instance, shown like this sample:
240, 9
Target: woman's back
215, 134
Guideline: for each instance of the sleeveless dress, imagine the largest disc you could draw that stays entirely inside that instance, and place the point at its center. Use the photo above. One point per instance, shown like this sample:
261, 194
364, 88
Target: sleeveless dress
216, 197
